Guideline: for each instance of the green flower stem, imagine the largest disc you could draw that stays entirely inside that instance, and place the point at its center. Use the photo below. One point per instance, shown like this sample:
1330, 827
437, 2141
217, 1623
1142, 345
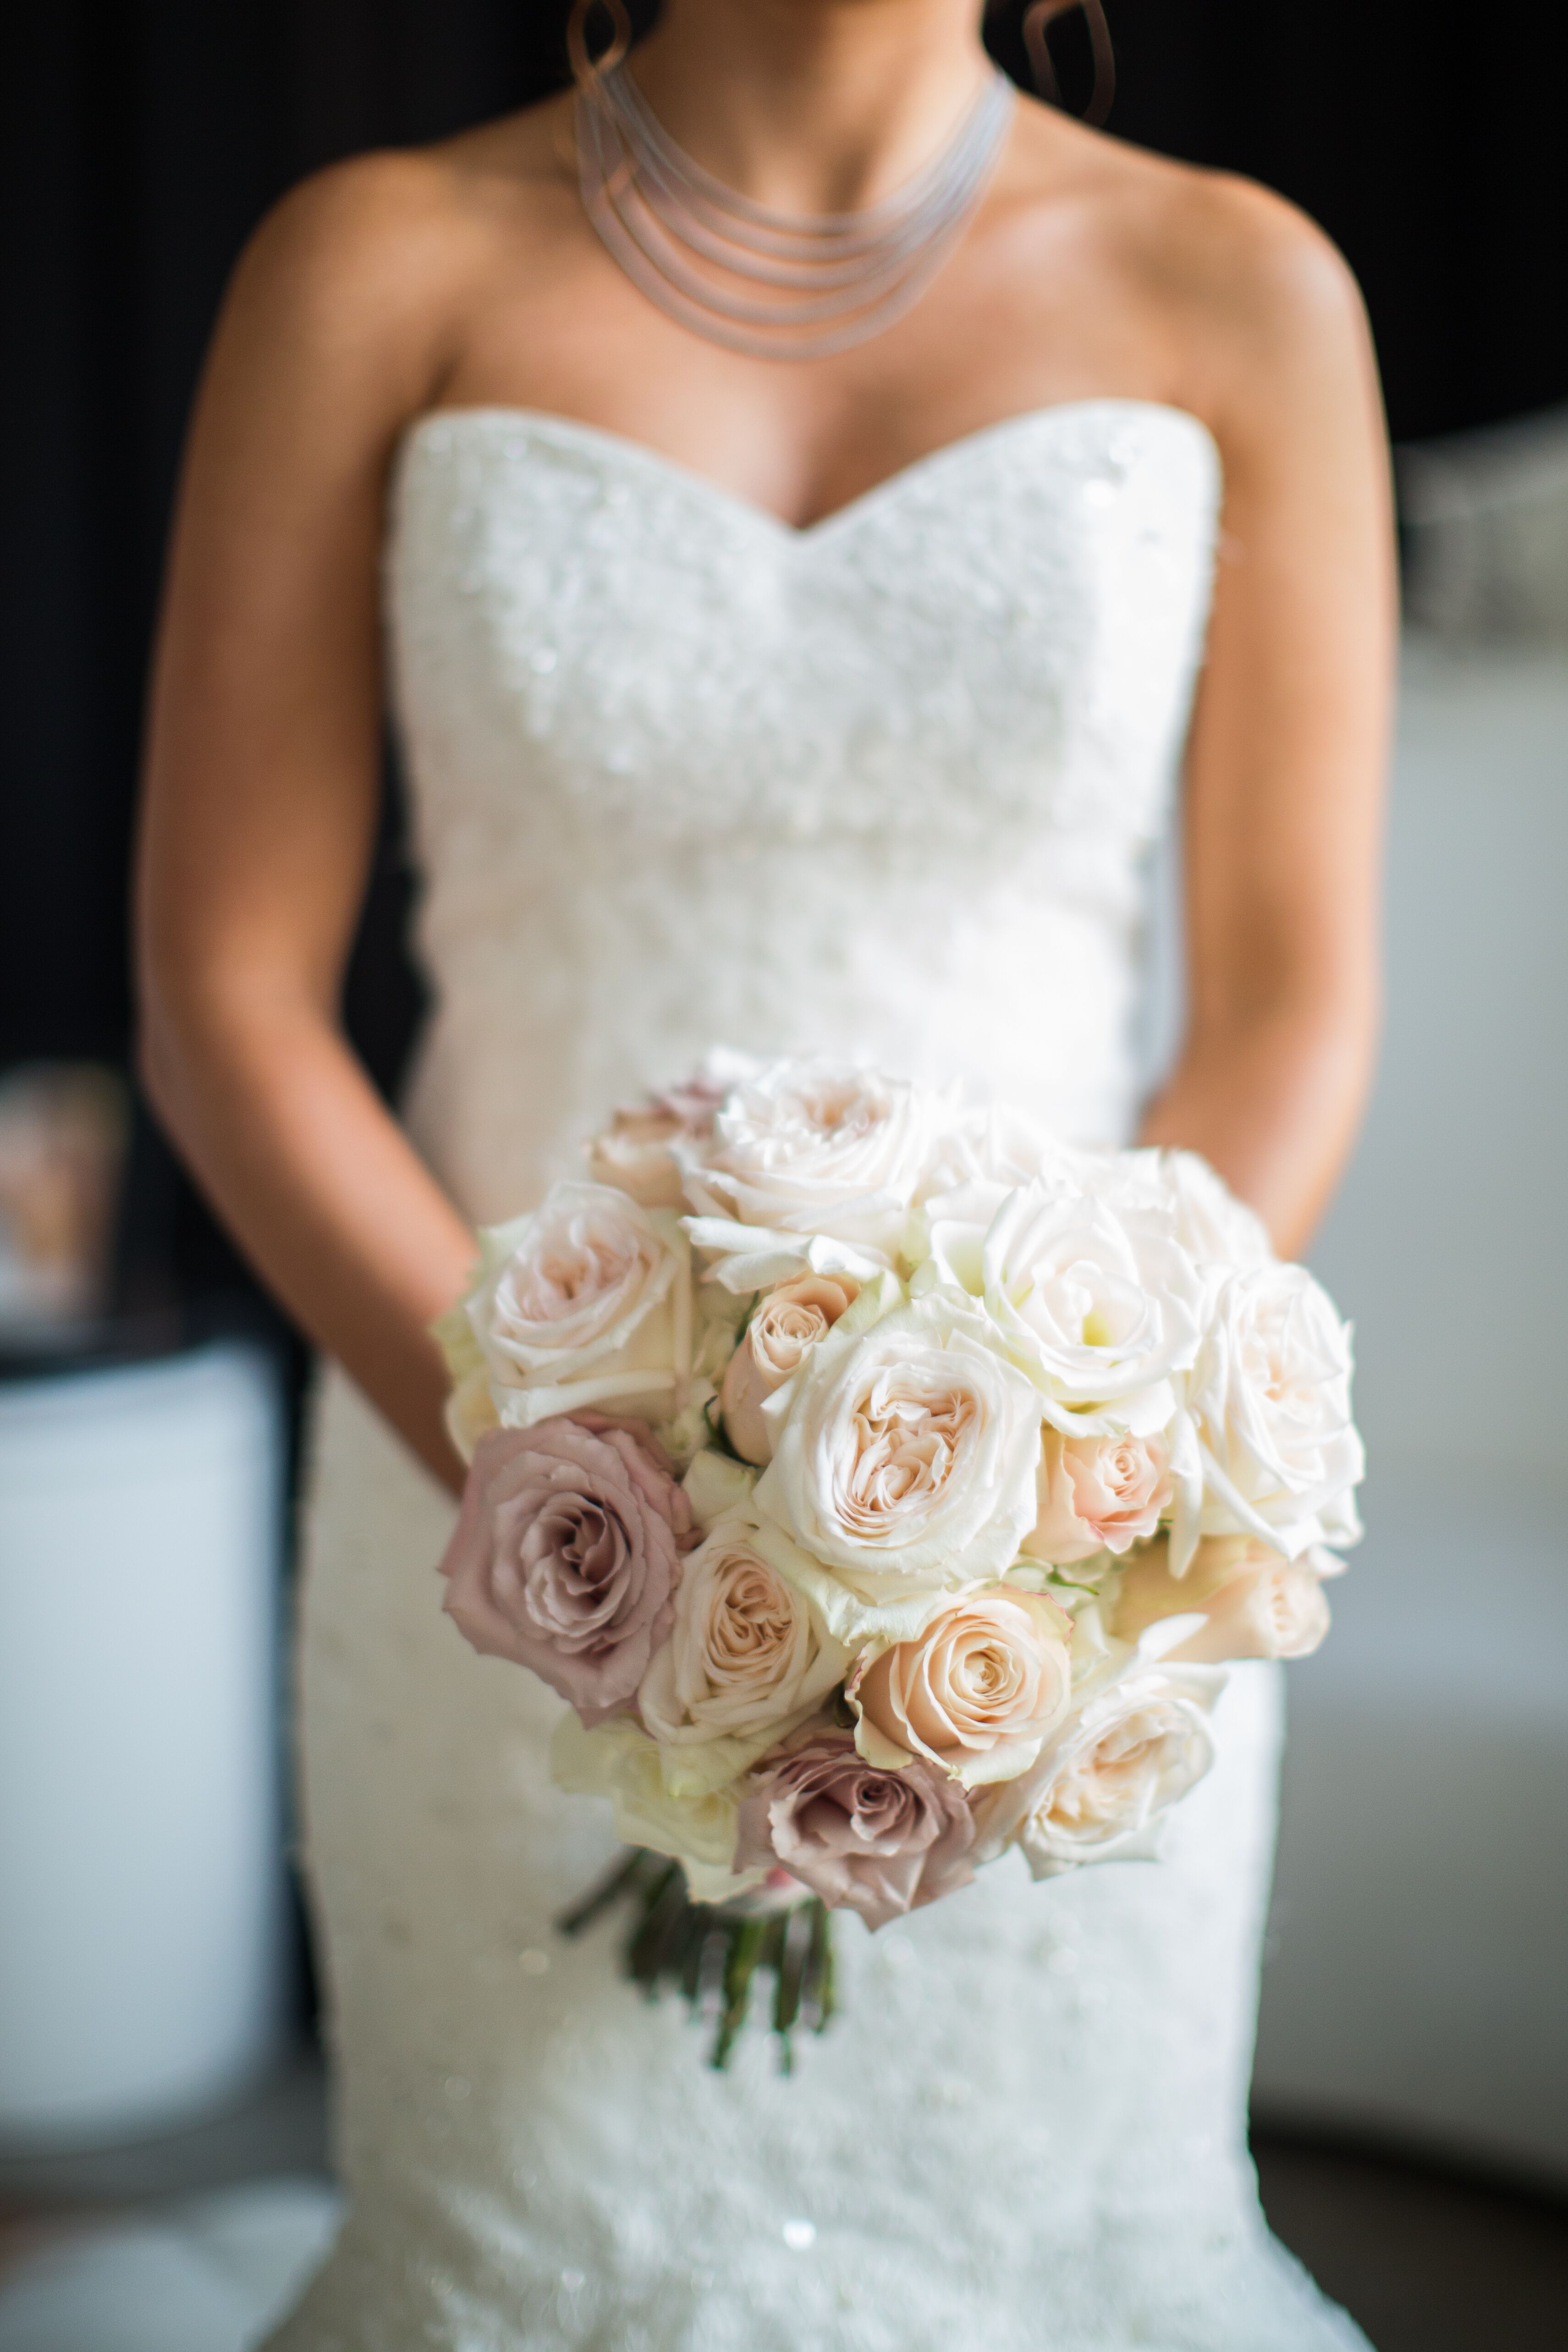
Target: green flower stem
710, 1953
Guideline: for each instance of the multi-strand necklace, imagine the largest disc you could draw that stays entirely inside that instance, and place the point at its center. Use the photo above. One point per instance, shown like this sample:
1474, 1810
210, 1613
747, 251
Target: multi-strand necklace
775, 284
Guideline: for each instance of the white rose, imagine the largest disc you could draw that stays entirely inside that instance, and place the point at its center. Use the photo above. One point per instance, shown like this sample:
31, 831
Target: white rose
1254, 1604
1271, 1398
791, 1319
618, 1761
1098, 1311
1101, 1784
745, 1661
997, 1145
585, 1302
976, 1693
1212, 1226
814, 1147
905, 1465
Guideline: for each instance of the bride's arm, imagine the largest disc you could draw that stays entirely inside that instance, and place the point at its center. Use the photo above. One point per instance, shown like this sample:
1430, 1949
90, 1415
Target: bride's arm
262, 779
1284, 783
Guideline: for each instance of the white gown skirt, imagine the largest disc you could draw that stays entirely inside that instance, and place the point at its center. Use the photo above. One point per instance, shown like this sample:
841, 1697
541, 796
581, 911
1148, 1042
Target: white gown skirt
1025, 2130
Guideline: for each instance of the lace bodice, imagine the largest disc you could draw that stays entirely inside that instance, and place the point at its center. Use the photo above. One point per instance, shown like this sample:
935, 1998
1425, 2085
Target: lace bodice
683, 773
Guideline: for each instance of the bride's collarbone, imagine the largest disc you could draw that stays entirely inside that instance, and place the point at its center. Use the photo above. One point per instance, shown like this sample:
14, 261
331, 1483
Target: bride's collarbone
1031, 319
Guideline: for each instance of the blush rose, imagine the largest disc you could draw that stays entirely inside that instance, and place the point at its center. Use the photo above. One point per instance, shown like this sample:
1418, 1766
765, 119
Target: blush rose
1255, 1604
1097, 1494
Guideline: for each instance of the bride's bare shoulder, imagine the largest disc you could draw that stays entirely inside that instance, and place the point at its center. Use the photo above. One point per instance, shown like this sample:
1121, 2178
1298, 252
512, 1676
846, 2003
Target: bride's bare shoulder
382, 256
1234, 284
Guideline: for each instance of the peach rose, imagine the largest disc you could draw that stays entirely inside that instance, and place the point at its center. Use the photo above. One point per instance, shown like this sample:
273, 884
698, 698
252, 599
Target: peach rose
976, 1693
1257, 1604
791, 1319
1097, 1494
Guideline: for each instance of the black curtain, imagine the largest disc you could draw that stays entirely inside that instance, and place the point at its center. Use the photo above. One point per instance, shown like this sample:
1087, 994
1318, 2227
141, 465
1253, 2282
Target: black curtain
141, 138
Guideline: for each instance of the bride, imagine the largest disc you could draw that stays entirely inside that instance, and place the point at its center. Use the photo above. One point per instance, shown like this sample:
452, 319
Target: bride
793, 627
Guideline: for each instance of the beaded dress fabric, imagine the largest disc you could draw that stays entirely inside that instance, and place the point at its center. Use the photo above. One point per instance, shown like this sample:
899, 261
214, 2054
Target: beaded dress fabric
683, 774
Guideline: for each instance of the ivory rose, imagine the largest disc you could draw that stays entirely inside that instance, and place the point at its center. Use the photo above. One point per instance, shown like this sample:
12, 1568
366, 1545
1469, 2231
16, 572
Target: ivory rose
814, 1147
1271, 1394
1212, 1226
587, 1301
565, 1555
906, 1463
1256, 1605
975, 1694
1099, 1310
1131, 1754
878, 1842
618, 1761
1097, 1316
1097, 1494
792, 1318
744, 1654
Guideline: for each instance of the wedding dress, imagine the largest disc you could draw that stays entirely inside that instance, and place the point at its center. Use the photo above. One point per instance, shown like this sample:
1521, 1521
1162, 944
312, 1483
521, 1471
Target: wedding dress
884, 786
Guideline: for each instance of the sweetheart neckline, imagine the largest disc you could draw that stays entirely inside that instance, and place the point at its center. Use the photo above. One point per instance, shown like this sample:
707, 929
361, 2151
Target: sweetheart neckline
641, 453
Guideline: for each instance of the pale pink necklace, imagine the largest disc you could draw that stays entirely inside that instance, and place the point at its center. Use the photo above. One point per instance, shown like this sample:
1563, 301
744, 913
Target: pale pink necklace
774, 284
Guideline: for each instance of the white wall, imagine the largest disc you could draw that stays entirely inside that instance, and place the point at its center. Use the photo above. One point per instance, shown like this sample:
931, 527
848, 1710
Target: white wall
1419, 1973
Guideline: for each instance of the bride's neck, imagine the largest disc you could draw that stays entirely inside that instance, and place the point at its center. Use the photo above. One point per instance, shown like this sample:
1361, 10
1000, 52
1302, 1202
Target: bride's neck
812, 105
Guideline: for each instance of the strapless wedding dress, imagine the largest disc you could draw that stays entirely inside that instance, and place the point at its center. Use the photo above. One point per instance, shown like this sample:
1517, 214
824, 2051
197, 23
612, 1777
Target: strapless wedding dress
883, 786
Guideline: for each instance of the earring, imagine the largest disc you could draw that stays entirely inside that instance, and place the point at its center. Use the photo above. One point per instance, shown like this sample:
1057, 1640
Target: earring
586, 67
1037, 17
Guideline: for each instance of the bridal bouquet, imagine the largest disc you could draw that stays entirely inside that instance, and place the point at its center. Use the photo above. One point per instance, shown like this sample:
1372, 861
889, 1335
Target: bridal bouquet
883, 1483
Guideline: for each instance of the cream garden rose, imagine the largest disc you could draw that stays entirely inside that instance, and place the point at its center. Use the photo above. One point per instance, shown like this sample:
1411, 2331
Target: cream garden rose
816, 1147
788, 1321
906, 1464
976, 1692
1270, 1395
585, 1302
1254, 1604
1097, 1494
746, 1658
1098, 1789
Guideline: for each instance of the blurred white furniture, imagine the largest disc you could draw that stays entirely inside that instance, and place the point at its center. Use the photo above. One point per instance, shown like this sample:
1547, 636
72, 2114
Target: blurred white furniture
1419, 1978
141, 1905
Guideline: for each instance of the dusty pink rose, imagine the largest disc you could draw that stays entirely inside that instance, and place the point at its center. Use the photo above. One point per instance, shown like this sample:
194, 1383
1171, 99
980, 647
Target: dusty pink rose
878, 1842
1097, 1494
565, 1555
793, 1318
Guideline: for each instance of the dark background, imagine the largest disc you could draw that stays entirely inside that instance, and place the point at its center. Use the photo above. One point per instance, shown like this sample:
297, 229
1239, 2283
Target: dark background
141, 139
